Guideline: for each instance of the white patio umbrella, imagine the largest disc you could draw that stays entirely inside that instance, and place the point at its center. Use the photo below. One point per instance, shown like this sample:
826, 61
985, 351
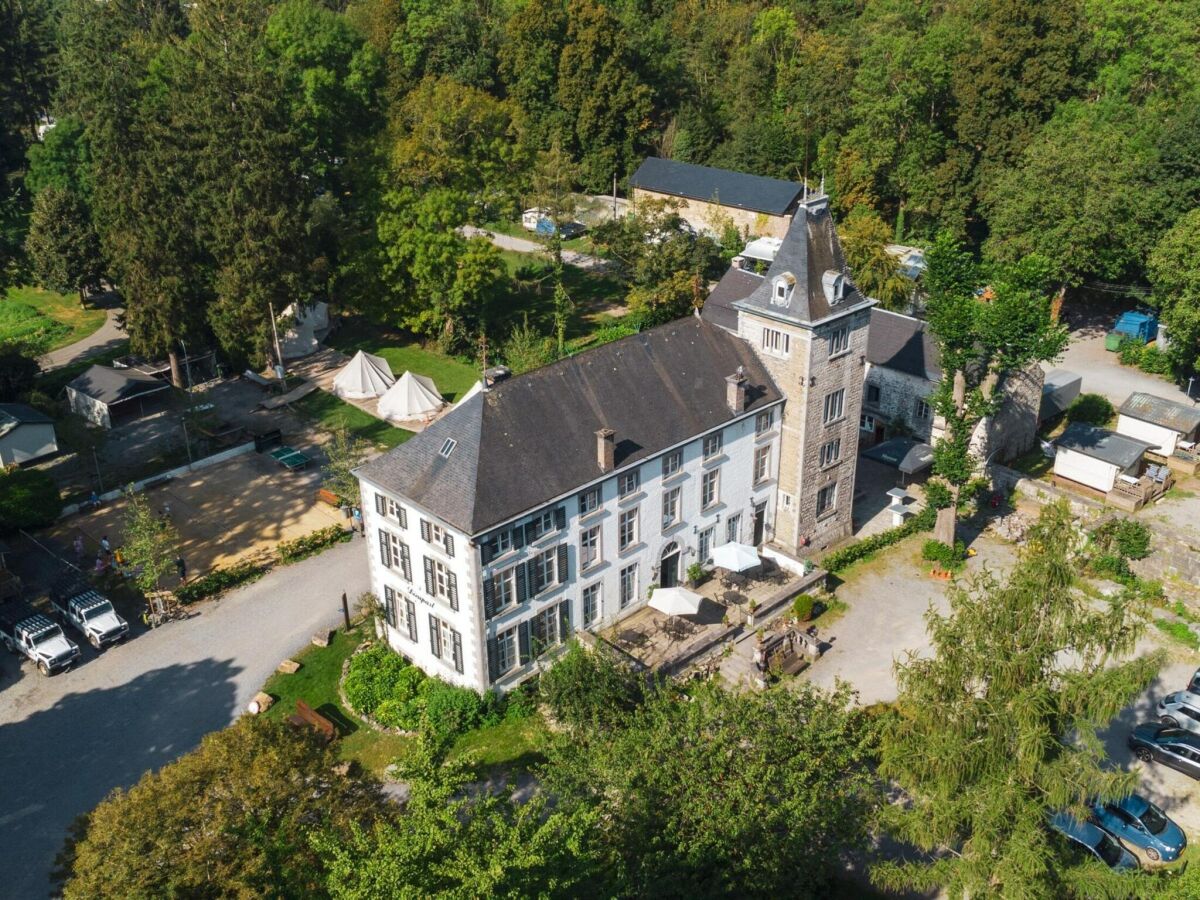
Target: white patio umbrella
676, 601
735, 557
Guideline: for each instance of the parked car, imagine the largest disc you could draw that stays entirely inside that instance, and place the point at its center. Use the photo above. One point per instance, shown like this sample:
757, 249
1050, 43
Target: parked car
1096, 841
1139, 823
37, 637
1180, 710
1173, 747
92, 615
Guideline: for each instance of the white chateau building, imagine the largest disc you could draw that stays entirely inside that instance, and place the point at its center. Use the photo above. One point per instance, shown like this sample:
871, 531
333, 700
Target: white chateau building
553, 500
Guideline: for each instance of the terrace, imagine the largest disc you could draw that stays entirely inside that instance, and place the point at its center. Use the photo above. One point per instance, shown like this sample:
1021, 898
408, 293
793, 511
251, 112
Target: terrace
733, 608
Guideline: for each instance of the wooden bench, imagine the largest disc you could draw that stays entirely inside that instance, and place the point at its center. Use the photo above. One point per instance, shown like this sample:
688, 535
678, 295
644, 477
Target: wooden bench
327, 496
306, 716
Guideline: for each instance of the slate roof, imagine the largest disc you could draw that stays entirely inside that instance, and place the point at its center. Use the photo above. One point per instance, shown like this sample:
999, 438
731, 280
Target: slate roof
1160, 411
736, 284
904, 344
1099, 443
740, 190
809, 251
14, 415
532, 438
109, 386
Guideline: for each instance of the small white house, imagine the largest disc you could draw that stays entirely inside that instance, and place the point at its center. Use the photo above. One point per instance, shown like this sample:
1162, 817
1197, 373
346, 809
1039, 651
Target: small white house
25, 434
1164, 423
103, 394
1096, 457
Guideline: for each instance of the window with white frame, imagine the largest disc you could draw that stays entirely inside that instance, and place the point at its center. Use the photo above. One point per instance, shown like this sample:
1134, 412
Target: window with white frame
671, 507
542, 524
589, 501
762, 464
830, 452
627, 483
502, 541
506, 587
923, 410
507, 652
627, 529
629, 581
592, 608
672, 463
396, 511
442, 578
710, 488
712, 445
541, 571
826, 498
544, 629
866, 423
839, 341
589, 547
763, 421
397, 557
446, 643
776, 341
835, 406
704, 545
733, 527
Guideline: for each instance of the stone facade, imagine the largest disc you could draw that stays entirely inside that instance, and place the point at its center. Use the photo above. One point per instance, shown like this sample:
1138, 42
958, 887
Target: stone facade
1013, 430
706, 216
892, 403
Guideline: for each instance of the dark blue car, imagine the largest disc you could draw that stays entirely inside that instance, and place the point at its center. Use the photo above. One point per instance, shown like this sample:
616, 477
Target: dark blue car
1094, 841
1139, 823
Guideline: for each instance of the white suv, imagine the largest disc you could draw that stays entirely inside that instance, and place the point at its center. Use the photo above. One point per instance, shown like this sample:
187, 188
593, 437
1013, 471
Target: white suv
1180, 710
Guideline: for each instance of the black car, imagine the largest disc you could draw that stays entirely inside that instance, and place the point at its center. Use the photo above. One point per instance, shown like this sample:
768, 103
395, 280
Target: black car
1174, 747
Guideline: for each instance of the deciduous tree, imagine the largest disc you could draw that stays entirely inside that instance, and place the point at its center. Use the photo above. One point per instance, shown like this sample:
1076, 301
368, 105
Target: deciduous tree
62, 244
876, 272
151, 541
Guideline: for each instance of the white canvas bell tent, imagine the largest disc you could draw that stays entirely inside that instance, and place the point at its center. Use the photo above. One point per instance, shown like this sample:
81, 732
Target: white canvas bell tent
471, 392
364, 376
411, 397
302, 328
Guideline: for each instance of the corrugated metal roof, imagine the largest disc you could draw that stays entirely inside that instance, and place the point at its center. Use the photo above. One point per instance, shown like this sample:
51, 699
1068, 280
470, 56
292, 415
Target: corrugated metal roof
1160, 411
1100, 443
740, 190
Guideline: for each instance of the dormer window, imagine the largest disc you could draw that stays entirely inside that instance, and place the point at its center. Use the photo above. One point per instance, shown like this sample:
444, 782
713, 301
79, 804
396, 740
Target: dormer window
781, 294
834, 286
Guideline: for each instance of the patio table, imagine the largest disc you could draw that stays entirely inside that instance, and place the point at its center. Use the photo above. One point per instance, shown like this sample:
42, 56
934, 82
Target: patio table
632, 637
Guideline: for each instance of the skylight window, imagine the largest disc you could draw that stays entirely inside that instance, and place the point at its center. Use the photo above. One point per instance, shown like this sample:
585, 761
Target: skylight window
448, 448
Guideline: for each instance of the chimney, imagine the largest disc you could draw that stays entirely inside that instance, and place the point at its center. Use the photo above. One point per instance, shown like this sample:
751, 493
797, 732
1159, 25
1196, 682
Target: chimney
735, 390
606, 449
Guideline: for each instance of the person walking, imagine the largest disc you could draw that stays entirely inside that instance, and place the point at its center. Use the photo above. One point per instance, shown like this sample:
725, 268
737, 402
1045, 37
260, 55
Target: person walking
358, 521
181, 568
79, 548
105, 545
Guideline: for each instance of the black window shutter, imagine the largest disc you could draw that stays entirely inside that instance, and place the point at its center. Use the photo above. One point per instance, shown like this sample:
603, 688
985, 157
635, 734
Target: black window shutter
429, 583
449, 544
493, 646
564, 620
424, 530
452, 589
530, 532
489, 597
560, 518
518, 537
403, 517
411, 609
389, 606
523, 641
435, 636
405, 562
487, 551
385, 552
380, 505
562, 563
532, 587
522, 587
457, 646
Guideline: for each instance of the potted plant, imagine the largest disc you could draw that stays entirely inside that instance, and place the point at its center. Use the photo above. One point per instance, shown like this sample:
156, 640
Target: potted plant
750, 608
802, 607
695, 574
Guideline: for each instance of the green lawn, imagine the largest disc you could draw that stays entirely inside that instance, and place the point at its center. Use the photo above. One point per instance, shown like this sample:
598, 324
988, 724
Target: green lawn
334, 414
45, 319
512, 745
452, 377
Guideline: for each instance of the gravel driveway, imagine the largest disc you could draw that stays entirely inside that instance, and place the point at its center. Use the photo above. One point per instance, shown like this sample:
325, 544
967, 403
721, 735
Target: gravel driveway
66, 741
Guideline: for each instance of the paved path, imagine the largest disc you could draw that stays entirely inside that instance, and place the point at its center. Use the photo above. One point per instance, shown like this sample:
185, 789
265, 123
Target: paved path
66, 741
523, 245
104, 338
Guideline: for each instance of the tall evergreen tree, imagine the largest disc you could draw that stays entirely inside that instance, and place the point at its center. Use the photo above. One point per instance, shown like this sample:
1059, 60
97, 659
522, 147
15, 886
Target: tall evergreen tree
62, 245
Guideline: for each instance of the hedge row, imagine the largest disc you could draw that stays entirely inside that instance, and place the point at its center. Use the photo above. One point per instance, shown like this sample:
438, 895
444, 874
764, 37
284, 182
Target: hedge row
310, 544
859, 550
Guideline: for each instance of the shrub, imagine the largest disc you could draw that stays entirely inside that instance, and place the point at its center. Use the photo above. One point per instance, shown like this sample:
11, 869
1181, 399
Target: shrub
1126, 537
949, 558
937, 494
802, 607
858, 550
1155, 361
521, 703
309, 544
589, 689
1130, 351
1091, 409
1112, 566
393, 713
373, 677
28, 499
695, 573
220, 580
1180, 631
450, 710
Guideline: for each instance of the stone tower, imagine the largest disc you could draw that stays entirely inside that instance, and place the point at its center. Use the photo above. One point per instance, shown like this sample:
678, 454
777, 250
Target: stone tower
808, 323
